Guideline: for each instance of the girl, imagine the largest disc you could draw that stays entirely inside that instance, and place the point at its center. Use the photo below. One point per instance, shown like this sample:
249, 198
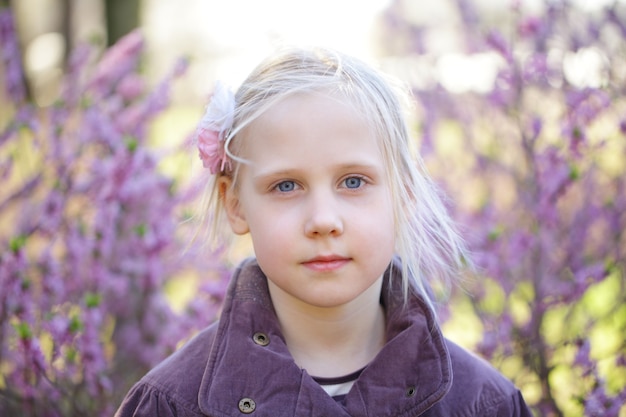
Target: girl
333, 317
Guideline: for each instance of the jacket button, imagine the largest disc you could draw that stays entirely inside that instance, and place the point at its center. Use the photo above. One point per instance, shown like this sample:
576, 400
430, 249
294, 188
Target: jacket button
261, 339
247, 405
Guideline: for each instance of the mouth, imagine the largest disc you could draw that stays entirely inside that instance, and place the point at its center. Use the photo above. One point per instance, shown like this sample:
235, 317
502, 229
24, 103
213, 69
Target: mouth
326, 263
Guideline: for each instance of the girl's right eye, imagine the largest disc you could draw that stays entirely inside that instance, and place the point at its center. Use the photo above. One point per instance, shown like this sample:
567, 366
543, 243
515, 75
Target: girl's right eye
285, 186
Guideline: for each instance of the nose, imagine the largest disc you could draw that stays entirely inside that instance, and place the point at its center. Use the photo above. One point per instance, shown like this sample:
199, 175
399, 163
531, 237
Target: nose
323, 216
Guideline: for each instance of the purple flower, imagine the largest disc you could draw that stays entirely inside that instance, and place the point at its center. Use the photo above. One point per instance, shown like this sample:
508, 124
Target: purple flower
542, 210
11, 57
530, 26
131, 87
106, 242
119, 61
496, 40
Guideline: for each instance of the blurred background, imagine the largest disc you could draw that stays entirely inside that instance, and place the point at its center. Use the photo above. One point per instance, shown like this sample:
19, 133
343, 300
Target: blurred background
519, 113
226, 39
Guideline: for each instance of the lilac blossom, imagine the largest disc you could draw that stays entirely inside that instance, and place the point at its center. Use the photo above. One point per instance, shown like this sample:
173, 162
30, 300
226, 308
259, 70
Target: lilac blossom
119, 61
541, 208
91, 238
11, 57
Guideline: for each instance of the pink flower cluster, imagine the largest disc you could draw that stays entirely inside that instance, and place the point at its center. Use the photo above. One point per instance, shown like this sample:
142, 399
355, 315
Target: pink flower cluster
213, 130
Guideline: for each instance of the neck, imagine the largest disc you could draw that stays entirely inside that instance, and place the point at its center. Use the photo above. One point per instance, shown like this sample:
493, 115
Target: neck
332, 341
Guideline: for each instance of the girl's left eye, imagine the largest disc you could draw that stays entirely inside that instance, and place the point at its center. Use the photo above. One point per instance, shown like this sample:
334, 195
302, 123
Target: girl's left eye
353, 182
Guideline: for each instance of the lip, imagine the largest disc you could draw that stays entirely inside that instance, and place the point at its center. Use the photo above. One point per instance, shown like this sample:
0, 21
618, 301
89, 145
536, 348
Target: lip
326, 263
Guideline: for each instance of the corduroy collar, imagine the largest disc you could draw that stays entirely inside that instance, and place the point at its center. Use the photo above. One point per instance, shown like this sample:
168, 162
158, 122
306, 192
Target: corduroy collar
409, 375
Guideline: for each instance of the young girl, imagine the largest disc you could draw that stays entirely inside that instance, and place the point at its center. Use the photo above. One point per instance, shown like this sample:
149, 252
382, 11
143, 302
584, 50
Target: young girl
333, 317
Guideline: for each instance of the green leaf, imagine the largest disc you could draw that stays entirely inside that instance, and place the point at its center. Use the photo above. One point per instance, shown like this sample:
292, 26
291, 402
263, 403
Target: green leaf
574, 172
75, 324
23, 330
131, 143
141, 229
17, 243
92, 300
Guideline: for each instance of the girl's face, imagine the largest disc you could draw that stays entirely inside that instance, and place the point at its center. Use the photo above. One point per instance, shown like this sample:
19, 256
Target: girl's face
315, 200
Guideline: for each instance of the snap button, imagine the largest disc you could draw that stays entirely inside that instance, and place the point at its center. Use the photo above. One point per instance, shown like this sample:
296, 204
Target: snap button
247, 405
261, 339
410, 391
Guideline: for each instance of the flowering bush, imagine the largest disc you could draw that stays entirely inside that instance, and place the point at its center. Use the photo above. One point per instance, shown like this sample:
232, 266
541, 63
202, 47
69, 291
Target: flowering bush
536, 161
89, 237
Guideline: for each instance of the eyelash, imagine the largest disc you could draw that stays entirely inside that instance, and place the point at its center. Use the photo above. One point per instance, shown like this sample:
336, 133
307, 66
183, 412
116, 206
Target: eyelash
360, 178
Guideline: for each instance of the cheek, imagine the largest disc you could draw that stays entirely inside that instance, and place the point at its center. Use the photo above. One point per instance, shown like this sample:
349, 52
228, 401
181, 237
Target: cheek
387, 224
386, 210
269, 228
273, 244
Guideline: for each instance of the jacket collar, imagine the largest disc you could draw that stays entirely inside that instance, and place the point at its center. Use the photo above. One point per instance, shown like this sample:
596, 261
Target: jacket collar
407, 377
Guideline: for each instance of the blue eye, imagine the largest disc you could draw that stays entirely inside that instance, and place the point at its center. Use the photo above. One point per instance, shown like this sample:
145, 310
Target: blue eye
353, 182
286, 186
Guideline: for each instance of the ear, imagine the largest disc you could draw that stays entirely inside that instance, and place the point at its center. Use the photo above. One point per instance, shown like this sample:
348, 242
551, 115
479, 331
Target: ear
230, 200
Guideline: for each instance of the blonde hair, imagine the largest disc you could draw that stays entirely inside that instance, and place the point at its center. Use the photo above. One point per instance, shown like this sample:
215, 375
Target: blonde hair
427, 243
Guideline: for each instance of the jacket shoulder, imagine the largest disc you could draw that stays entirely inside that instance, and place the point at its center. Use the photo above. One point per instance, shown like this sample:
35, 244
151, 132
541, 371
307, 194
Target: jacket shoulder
478, 389
171, 388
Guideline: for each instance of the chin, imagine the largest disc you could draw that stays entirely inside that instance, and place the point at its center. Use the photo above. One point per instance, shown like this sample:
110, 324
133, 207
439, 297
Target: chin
329, 302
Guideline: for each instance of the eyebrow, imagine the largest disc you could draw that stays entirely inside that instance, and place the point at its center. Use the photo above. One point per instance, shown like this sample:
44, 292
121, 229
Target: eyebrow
294, 171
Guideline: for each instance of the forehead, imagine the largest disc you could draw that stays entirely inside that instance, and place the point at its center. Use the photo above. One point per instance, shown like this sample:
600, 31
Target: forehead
310, 126
320, 106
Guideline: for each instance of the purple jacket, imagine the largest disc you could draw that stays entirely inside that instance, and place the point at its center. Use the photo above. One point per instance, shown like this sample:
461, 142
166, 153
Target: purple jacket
228, 370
